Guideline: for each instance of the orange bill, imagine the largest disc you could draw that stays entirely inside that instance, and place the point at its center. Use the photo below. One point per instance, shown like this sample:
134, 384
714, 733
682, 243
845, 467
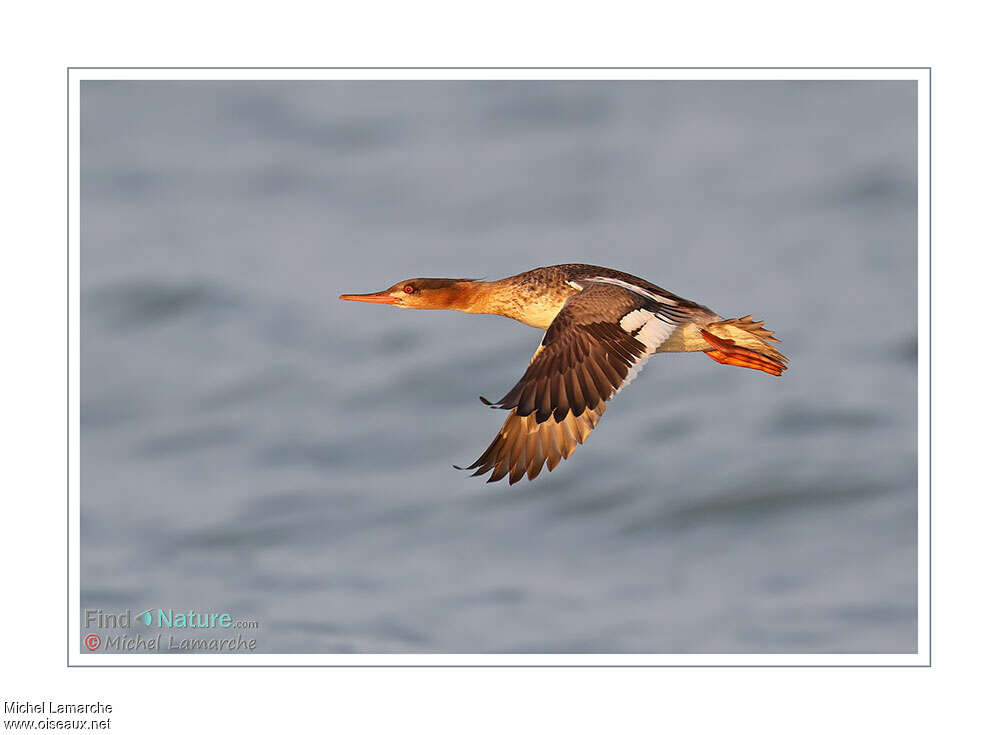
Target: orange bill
379, 297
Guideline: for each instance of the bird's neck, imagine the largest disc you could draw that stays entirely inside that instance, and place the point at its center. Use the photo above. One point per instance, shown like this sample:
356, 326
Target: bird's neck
507, 297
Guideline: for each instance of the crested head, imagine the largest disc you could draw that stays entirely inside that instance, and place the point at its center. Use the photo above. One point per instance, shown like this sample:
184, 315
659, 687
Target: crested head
422, 293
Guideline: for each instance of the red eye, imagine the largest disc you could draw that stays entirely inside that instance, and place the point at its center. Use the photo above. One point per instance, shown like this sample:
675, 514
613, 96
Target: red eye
408, 288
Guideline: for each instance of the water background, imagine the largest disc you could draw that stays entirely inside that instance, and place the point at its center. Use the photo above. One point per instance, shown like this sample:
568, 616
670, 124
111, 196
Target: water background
251, 444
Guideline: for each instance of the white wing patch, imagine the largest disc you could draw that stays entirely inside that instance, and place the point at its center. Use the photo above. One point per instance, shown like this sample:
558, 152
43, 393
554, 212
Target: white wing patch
653, 330
634, 320
656, 331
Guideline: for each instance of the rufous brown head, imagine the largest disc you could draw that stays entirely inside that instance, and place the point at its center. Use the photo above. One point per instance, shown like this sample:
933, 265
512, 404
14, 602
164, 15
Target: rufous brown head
418, 293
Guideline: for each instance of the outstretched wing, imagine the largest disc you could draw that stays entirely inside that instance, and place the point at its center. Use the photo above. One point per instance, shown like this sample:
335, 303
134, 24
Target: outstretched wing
599, 341
525, 446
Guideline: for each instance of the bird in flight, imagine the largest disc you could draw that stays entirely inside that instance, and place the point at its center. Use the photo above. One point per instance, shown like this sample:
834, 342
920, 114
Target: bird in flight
601, 326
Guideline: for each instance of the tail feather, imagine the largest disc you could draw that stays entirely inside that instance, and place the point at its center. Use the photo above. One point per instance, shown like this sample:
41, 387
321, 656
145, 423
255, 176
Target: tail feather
757, 329
744, 342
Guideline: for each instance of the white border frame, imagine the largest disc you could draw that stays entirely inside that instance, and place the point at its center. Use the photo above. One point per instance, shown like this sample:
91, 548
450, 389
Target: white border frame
75, 75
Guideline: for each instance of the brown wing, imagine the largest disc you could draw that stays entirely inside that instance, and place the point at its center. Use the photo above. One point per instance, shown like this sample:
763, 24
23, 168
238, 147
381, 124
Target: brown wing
595, 345
588, 352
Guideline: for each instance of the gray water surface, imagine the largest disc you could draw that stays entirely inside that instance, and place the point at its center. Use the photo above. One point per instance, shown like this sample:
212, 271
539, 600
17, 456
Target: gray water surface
251, 444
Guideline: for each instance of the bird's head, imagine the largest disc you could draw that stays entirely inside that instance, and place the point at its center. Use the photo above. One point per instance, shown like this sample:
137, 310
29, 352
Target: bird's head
420, 293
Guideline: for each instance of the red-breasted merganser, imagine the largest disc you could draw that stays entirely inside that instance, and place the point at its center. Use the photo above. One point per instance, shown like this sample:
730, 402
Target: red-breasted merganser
601, 326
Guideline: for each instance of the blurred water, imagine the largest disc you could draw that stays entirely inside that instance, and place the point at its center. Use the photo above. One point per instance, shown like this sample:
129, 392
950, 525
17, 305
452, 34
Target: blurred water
252, 444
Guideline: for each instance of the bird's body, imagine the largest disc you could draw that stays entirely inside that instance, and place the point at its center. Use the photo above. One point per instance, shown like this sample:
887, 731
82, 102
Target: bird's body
601, 327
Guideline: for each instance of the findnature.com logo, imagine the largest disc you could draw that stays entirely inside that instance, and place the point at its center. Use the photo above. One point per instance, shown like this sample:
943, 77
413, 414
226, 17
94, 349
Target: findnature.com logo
164, 618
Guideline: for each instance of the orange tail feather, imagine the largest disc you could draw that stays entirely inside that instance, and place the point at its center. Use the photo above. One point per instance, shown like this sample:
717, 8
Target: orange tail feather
727, 352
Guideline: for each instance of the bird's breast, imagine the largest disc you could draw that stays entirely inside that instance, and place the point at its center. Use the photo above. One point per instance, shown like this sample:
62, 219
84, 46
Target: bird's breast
538, 314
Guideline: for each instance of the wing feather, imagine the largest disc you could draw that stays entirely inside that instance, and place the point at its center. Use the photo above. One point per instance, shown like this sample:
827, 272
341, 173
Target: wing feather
594, 347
